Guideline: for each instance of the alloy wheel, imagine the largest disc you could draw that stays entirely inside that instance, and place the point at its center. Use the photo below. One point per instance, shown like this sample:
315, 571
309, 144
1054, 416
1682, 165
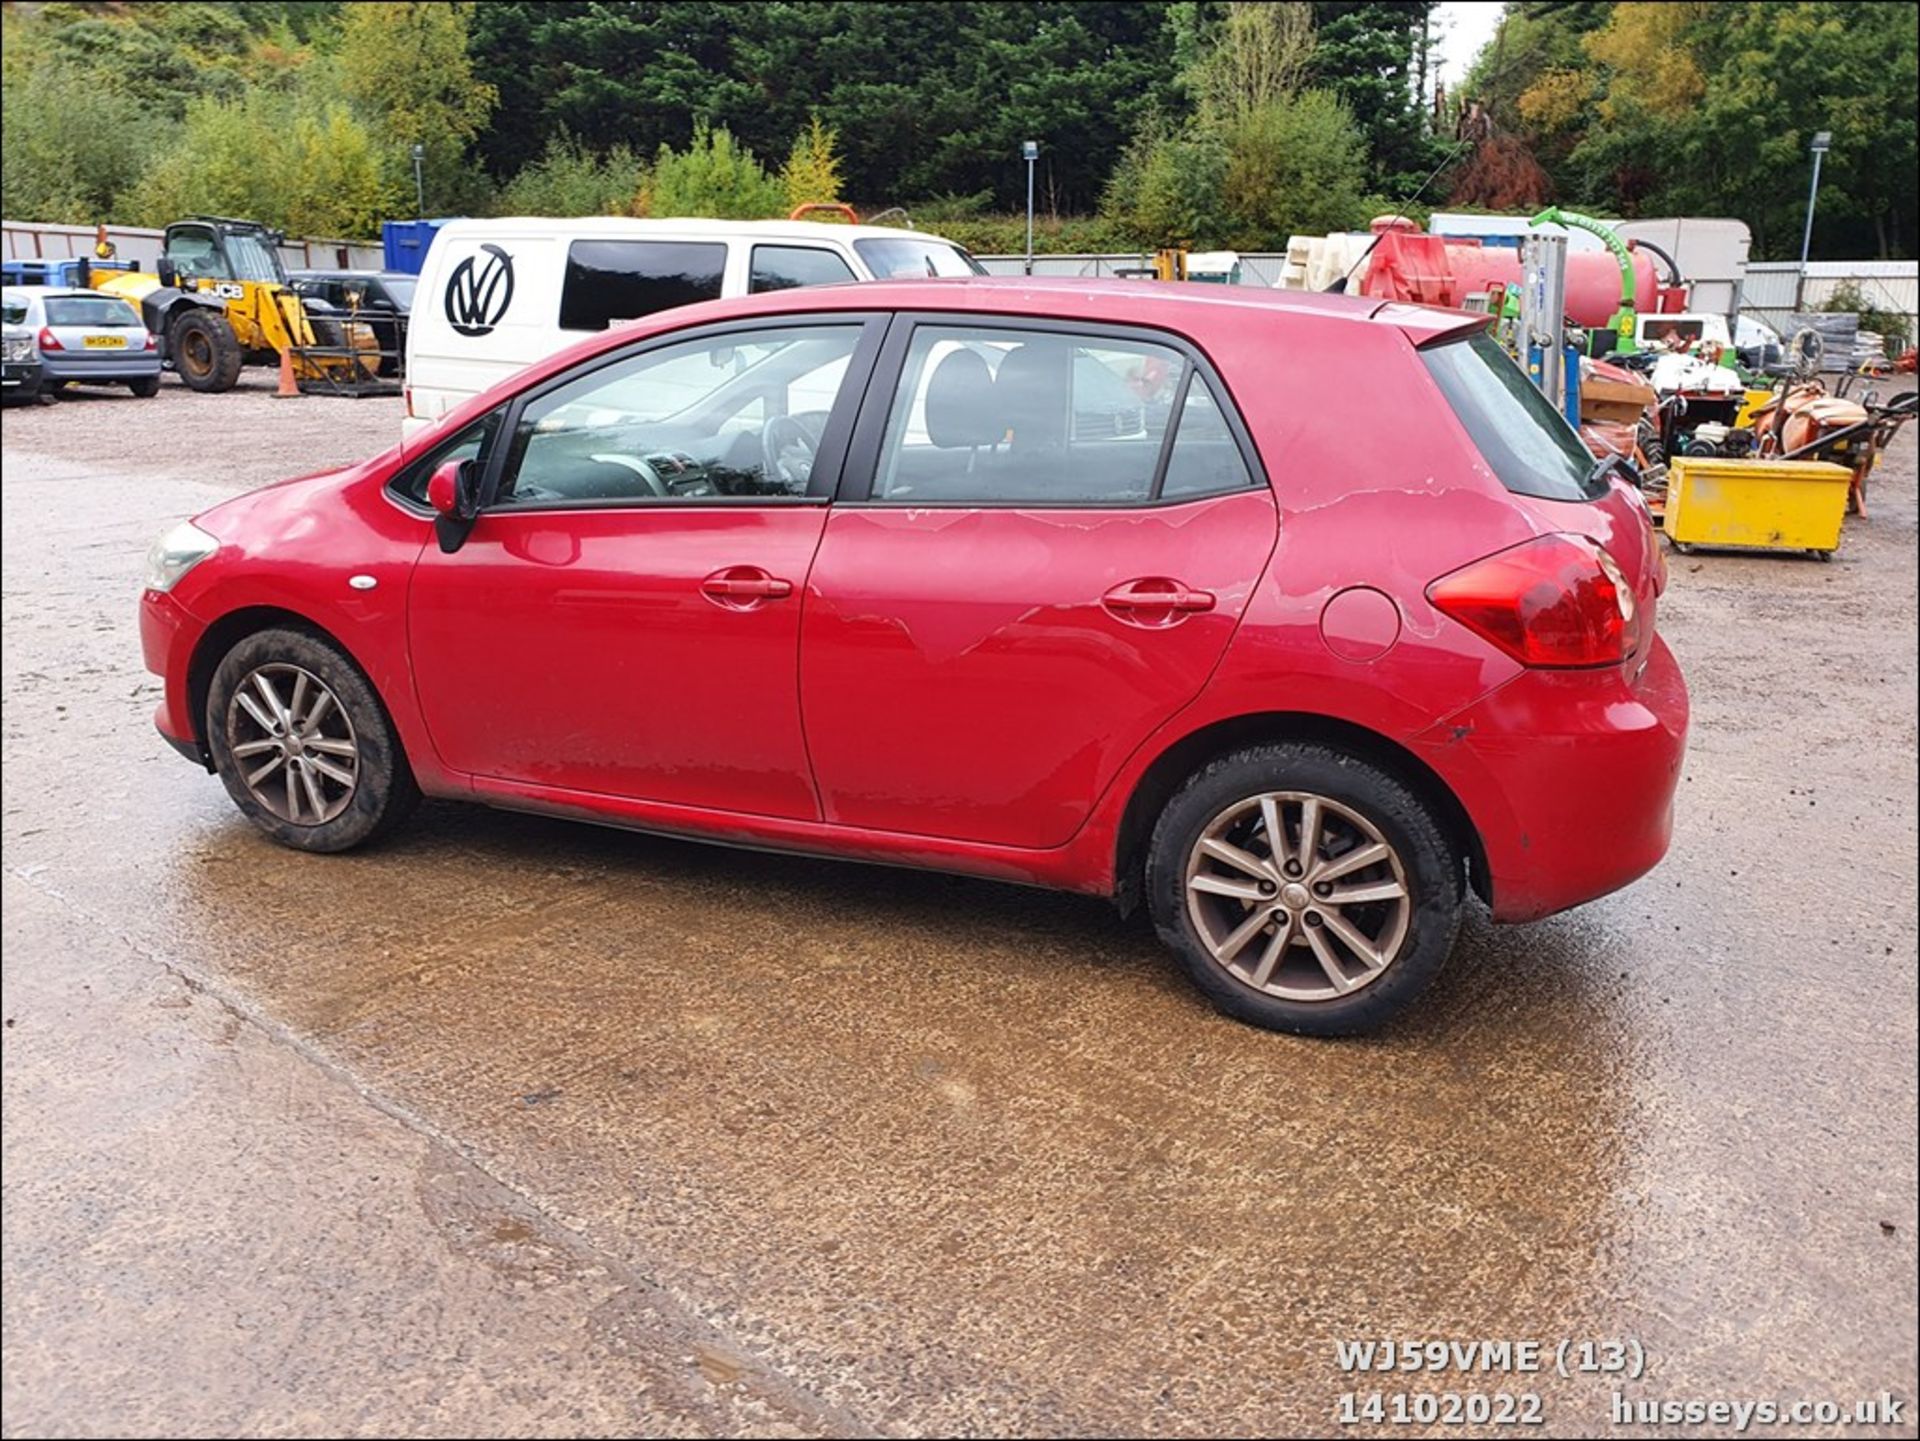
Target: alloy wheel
293, 744
1297, 896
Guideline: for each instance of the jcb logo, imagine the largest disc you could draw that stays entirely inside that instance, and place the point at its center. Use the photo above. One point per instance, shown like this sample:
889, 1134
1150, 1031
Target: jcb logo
224, 289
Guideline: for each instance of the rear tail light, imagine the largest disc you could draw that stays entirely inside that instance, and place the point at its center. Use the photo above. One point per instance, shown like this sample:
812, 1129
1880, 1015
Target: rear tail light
406, 396
47, 340
1559, 601
152, 342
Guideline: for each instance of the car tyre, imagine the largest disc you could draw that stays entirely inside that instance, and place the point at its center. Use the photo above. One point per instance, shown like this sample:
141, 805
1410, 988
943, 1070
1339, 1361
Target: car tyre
314, 774
1358, 807
146, 387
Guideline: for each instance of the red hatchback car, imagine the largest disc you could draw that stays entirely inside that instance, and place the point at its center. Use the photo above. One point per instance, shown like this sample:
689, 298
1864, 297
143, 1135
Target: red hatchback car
1292, 616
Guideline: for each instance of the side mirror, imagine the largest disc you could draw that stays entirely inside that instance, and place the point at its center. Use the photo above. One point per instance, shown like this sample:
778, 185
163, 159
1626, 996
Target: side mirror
167, 271
453, 490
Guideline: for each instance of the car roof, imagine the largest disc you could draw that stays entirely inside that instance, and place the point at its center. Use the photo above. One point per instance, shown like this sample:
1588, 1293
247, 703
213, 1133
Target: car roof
625, 227
334, 272
45, 292
1138, 302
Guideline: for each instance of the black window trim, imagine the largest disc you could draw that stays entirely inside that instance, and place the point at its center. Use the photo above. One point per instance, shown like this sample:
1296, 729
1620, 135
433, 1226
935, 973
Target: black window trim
828, 459
861, 468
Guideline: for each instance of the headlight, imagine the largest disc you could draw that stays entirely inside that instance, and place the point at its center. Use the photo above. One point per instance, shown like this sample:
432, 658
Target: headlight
176, 553
19, 347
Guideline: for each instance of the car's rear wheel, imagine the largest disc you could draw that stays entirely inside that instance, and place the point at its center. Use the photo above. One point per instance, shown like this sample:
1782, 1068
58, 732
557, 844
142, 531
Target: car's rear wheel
303, 744
1304, 888
146, 387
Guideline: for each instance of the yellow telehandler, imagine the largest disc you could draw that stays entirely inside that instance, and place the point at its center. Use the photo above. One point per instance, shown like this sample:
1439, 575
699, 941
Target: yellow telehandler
220, 299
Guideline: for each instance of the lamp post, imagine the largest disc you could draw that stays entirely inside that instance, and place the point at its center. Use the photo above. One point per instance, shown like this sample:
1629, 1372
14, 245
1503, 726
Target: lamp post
1030, 150
419, 182
1822, 139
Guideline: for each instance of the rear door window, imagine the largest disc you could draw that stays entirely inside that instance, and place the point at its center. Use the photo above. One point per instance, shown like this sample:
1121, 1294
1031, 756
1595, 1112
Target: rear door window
788, 267
1523, 439
609, 280
1022, 417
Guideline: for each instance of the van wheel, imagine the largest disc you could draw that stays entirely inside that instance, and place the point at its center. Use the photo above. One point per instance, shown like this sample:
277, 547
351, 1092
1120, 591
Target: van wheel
204, 351
1304, 888
303, 744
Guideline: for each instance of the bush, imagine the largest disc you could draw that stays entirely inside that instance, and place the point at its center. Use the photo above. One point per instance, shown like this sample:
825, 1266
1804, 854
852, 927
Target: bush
569, 179
1295, 165
714, 177
1848, 299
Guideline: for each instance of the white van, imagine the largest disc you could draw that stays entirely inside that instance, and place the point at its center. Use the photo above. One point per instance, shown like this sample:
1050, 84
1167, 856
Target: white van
496, 295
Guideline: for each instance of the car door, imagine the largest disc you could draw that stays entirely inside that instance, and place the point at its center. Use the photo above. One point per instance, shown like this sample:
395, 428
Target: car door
623, 617
1045, 539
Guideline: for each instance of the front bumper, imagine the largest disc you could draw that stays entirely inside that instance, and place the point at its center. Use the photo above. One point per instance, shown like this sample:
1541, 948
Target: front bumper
20, 374
168, 635
1569, 778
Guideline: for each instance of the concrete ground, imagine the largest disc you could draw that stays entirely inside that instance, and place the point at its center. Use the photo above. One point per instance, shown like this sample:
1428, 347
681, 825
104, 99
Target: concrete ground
517, 1127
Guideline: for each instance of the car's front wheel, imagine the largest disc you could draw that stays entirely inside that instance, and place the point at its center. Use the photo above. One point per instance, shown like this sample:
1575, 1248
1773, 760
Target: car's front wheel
303, 744
1305, 889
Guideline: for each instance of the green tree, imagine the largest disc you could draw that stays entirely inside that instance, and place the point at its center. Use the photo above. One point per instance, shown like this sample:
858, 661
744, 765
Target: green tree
1295, 164
406, 64
69, 147
714, 176
811, 175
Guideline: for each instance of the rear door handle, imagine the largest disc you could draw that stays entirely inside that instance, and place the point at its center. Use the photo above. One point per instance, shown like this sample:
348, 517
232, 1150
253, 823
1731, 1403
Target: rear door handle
1157, 594
741, 587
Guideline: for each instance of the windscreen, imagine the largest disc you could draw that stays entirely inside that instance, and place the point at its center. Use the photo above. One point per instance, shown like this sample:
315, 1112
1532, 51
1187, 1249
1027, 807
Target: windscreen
901, 258
1523, 439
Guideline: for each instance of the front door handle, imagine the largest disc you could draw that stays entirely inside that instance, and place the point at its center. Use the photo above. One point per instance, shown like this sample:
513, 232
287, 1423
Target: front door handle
1156, 600
743, 587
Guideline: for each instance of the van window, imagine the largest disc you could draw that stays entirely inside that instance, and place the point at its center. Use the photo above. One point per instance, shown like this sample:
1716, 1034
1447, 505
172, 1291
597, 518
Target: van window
609, 280
788, 267
897, 257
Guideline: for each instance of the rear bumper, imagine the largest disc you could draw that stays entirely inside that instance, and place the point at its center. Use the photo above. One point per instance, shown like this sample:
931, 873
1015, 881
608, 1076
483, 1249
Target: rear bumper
1569, 778
136, 365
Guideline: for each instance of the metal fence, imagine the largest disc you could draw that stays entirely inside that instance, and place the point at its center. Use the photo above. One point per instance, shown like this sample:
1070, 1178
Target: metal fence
1774, 291
30, 240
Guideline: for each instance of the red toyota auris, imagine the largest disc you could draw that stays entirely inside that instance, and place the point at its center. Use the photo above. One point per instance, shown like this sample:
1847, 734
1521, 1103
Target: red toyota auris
1292, 616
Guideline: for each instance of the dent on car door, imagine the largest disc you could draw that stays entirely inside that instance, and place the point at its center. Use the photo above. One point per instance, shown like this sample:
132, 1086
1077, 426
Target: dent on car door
622, 619
1054, 534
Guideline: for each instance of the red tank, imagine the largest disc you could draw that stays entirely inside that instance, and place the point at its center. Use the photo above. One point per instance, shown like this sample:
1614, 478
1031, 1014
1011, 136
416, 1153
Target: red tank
1433, 270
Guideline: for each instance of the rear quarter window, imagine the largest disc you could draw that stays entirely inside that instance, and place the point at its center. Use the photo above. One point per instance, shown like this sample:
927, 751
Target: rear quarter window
609, 280
1525, 442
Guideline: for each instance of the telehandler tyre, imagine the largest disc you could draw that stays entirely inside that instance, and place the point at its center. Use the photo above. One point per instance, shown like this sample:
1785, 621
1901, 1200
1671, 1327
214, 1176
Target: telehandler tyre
204, 351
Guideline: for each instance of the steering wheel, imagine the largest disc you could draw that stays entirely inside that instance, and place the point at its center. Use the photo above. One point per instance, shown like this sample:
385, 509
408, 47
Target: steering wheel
780, 438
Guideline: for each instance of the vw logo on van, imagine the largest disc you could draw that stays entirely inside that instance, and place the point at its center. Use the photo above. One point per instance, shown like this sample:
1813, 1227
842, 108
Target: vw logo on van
478, 294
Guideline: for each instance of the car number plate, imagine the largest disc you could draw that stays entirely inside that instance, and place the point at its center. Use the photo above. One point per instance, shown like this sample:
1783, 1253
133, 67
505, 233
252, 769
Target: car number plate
105, 342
